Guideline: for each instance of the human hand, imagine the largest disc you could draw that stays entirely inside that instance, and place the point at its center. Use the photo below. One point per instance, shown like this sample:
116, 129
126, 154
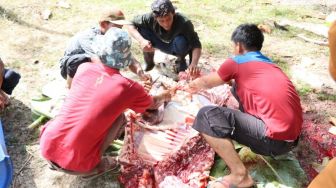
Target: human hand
166, 95
190, 88
145, 77
147, 84
146, 46
193, 71
4, 101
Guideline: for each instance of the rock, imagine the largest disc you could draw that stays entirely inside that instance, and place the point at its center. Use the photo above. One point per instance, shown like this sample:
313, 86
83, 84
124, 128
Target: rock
63, 4
46, 14
265, 28
332, 130
332, 120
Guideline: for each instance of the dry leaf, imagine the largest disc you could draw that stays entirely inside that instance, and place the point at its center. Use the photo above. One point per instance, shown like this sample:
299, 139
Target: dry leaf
319, 167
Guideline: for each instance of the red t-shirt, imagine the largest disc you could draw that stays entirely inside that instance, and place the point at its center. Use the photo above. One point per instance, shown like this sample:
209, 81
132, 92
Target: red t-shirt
98, 95
266, 93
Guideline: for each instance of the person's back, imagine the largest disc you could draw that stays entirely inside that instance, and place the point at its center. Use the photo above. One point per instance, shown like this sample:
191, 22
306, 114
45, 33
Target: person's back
92, 113
98, 95
270, 117
267, 93
81, 43
79, 48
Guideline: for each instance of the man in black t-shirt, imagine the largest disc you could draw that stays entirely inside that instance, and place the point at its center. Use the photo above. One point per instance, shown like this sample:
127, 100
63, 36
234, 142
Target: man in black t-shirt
169, 32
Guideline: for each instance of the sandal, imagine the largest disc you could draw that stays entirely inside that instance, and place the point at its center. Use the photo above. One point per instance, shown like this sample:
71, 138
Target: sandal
108, 164
224, 183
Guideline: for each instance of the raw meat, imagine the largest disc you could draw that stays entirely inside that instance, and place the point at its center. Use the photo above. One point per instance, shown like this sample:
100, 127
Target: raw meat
170, 150
171, 153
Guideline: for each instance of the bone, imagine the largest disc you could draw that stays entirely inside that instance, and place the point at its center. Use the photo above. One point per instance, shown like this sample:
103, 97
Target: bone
169, 137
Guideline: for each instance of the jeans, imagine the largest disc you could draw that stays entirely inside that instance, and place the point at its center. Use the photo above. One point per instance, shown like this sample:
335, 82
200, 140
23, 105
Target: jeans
178, 46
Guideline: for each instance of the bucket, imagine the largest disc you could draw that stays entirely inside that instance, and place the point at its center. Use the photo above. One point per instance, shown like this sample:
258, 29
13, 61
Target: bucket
6, 165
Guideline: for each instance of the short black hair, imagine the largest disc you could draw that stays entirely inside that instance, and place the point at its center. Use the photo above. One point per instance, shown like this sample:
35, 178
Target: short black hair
161, 8
249, 35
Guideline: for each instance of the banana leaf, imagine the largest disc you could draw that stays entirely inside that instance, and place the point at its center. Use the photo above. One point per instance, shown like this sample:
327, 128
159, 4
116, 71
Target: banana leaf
279, 172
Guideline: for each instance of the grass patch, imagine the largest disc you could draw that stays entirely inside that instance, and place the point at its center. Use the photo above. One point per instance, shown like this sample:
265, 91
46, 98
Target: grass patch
282, 64
214, 20
16, 64
304, 89
326, 97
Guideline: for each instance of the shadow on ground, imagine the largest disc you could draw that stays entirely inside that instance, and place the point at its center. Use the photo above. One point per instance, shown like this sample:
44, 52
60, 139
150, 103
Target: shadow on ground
12, 16
23, 148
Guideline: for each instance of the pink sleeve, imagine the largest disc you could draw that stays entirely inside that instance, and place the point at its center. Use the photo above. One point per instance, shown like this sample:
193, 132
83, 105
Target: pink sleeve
228, 70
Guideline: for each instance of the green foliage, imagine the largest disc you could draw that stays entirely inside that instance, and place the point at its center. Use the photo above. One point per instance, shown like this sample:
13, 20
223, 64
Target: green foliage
287, 167
282, 171
304, 89
247, 156
282, 64
326, 96
219, 168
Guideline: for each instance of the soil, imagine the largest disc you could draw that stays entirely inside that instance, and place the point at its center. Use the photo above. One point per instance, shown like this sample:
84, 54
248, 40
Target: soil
28, 42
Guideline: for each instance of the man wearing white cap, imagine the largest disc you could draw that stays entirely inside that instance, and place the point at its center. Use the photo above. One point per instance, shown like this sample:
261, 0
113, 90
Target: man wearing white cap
79, 49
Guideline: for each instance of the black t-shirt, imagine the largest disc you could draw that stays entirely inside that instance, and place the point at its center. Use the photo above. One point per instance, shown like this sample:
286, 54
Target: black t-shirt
181, 26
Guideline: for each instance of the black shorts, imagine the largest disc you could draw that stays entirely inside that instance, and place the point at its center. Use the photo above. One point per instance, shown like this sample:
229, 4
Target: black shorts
70, 64
222, 122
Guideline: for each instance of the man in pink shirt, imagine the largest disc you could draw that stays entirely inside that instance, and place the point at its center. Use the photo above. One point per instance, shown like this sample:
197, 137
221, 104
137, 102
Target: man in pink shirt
92, 114
270, 117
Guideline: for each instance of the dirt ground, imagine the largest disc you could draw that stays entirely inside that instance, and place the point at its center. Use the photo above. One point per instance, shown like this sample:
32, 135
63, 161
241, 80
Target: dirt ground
32, 46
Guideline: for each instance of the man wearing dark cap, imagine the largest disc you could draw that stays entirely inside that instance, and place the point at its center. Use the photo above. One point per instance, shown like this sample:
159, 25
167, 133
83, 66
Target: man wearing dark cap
79, 48
92, 115
169, 32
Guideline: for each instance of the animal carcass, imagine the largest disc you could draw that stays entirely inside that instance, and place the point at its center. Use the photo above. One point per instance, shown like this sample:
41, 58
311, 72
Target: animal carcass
171, 153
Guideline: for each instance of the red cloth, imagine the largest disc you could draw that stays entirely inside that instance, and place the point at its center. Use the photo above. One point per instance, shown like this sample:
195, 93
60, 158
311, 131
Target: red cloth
265, 92
98, 95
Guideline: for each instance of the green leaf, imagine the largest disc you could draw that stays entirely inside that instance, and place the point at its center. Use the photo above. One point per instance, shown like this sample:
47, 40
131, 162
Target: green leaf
278, 172
219, 168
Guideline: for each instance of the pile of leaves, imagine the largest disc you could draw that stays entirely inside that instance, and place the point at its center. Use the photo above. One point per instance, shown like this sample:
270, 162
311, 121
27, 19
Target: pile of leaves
282, 171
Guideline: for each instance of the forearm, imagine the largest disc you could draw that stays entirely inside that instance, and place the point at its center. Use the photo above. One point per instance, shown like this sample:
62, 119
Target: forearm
199, 84
196, 54
205, 82
332, 48
158, 100
2, 69
134, 33
135, 67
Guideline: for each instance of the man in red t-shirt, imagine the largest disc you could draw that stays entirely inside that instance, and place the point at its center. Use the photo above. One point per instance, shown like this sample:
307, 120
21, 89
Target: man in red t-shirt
270, 117
92, 114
